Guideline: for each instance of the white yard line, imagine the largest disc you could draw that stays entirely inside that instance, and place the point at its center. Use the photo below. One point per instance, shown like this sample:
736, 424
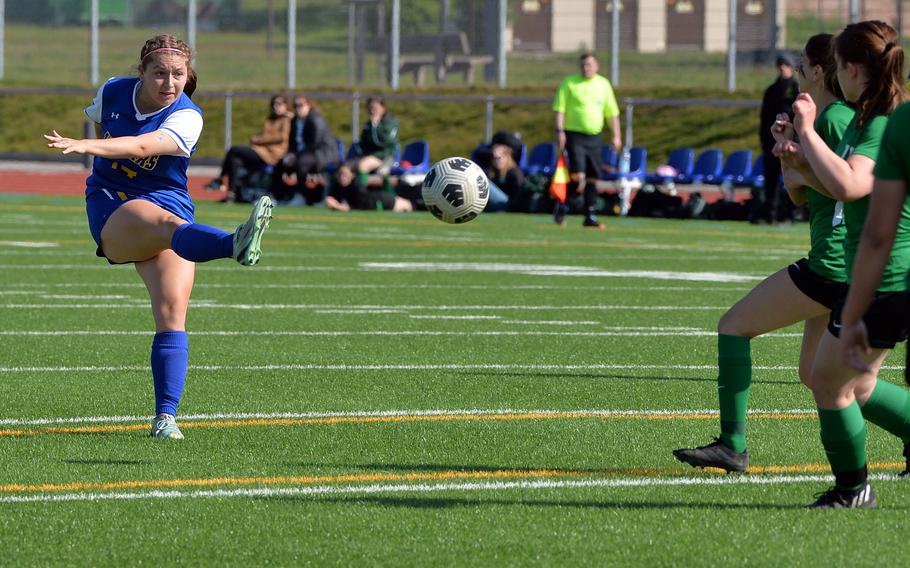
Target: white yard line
401, 367
403, 307
137, 285
490, 486
376, 413
403, 333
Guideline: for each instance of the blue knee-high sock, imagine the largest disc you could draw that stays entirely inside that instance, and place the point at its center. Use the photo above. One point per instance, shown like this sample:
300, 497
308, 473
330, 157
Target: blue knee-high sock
170, 357
201, 243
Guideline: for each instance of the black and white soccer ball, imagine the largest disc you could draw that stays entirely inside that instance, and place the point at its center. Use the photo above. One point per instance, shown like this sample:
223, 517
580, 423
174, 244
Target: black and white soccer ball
455, 190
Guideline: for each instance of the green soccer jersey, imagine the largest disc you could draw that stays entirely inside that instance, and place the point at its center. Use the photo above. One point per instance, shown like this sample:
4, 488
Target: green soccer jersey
893, 164
585, 103
866, 142
826, 217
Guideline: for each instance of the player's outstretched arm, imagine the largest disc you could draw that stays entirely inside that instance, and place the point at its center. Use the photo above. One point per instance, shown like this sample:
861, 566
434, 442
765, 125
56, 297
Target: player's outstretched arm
152, 144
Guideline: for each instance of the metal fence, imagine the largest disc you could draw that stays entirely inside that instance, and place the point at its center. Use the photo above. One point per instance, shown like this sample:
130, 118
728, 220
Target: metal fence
270, 44
356, 99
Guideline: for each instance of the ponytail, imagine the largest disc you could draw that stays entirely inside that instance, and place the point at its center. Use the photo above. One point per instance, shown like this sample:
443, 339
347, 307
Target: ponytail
873, 44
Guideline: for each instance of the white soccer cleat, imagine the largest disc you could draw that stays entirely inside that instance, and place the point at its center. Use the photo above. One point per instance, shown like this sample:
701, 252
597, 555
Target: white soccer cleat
164, 427
248, 237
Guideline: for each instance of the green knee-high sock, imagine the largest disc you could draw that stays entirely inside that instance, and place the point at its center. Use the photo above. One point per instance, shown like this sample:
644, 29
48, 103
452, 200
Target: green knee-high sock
387, 184
363, 179
734, 377
889, 408
843, 434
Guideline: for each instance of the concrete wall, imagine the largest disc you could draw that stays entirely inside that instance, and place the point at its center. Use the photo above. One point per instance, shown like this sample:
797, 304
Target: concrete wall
716, 28
573, 25
652, 26
717, 14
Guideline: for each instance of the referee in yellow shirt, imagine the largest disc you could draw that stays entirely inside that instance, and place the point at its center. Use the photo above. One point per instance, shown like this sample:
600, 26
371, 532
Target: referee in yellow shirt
582, 104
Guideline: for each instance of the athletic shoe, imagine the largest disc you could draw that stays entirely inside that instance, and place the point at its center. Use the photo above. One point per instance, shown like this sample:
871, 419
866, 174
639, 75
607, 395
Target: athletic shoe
215, 185
248, 237
164, 426
834, 498
559, 214
592, 222
906, 471
716, 454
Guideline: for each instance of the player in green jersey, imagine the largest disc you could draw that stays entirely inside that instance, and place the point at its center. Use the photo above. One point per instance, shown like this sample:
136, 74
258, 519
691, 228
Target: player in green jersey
870, 72
889, 208
804, 291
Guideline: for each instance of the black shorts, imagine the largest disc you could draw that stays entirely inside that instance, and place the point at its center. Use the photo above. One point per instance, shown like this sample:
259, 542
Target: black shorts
584, 153
826, 292
886, 319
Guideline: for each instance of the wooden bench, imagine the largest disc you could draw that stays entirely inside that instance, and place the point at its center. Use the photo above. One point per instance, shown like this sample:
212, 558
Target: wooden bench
442, 53
458, 57
417, 53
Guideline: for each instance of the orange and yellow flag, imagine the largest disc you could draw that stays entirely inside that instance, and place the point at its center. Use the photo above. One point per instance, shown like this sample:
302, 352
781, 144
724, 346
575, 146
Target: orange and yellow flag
560, 181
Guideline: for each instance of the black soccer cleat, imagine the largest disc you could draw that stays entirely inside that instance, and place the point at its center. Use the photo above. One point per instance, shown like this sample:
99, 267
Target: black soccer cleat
834, 498
559, 214
716, 454
592, 222
906, 471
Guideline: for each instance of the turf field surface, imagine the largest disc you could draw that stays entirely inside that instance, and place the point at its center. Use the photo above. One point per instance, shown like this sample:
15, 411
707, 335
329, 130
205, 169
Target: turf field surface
388, 389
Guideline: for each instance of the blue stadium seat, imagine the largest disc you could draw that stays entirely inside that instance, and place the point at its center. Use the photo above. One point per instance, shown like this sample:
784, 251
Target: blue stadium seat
542, 159
609, 160
330, 168
478, 150
708, 163
638, 160
680, 159
353, 151
736, 170
757, 177
523, 158
417, 153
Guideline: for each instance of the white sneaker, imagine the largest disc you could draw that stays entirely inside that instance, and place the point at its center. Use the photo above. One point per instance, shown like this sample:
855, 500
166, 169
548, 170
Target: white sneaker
164, 426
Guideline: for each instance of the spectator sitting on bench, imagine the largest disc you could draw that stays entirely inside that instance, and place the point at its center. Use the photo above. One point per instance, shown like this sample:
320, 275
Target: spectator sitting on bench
378, 143
311, 148
346, 193
265, 149
505, 177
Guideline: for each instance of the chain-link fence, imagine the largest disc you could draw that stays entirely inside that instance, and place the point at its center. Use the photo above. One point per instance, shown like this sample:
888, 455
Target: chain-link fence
243, 44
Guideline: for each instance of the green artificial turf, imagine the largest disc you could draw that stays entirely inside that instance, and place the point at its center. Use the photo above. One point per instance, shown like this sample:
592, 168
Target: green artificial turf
348, 412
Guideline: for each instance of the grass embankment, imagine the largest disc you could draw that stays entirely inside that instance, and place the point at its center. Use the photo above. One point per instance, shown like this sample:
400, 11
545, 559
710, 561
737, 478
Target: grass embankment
450, 128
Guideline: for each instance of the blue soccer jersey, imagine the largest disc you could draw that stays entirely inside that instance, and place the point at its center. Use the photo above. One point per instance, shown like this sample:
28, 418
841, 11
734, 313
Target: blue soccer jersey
115, 111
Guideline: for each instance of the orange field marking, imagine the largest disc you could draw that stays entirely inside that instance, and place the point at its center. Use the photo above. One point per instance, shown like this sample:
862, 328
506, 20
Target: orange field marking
245, 423
297, 480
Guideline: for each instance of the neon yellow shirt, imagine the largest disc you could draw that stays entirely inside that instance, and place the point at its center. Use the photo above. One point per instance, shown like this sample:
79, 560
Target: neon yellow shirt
585, 103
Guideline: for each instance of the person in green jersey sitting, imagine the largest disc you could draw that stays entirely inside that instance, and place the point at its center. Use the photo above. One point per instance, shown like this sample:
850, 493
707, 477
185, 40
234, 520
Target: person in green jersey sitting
581, 105
804, 291
870, 72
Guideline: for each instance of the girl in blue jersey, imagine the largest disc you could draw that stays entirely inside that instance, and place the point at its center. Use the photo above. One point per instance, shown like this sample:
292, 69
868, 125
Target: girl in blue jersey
139, 208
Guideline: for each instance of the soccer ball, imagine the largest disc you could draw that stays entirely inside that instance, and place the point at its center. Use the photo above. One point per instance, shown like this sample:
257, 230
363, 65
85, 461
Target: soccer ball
456, 190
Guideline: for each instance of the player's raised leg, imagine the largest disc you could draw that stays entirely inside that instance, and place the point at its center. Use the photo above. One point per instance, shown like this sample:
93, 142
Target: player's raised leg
139, 230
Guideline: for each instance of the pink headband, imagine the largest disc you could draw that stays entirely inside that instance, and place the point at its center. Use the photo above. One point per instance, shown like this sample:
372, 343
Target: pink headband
165, 49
